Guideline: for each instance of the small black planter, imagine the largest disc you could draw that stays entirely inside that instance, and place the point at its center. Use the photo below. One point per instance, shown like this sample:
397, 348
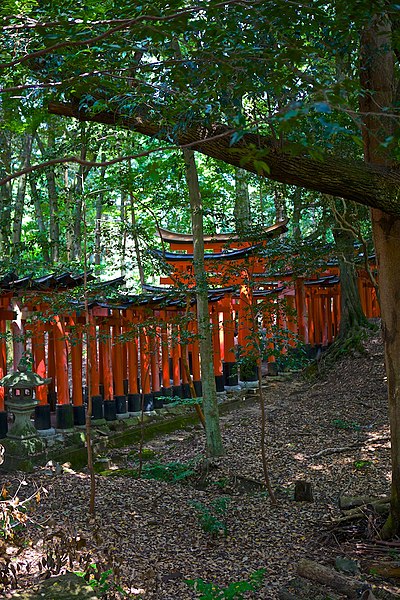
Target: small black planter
158, 401
167, 391
97, 408
79, 415
52, 400
272, 369
177, 391
120, 405
230, 374
42, 417
3, 423
186, 390
110, 410
220, 383
249, 372
134, 403
148, 404
64, 416
199, 388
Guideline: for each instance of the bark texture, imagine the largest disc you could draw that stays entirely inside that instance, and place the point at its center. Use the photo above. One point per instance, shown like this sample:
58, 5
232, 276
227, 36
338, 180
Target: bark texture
378, 81
374, 185
210, 405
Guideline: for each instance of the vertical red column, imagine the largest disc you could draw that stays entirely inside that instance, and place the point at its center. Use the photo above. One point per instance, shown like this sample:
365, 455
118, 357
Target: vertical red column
117, 365
93, 369
39, 359
75, 339
3, 360
219, 378
176, 372
165, 355
106, 366
301, 310
196, 358
61, 361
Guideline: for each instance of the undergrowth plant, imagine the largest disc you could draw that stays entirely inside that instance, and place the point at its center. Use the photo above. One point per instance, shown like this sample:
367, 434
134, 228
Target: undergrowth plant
234, 591
212, 519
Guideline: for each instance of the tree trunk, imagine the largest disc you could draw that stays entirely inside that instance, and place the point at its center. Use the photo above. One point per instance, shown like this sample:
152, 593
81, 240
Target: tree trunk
41, 225
5, 190
77, 193
99, 211
377, 78
136, 242
280, 202
122, 233
210, 406
352, 315
20, 199
241, 209
53, 197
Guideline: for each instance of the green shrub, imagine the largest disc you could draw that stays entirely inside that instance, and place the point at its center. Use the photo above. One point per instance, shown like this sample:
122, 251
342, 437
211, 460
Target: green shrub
234, 591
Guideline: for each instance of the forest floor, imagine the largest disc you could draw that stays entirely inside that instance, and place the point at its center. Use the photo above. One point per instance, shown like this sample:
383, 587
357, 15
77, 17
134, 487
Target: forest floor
332, 432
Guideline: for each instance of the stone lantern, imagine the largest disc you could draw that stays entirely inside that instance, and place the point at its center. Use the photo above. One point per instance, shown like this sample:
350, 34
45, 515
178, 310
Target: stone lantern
22, 438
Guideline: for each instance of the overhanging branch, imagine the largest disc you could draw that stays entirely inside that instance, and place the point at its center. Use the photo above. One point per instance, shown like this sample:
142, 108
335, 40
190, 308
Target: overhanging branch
373, 186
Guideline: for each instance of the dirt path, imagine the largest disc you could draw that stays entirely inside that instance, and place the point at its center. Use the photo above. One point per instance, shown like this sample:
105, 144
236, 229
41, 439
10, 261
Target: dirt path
152, 529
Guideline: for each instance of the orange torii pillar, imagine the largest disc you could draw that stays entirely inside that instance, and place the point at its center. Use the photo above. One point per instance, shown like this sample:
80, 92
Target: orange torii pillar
270, 318
145, 371
64, 410
219, 377
118, 368
194, 348
290, 319
3, 371
176, 372
93, 370
229, 364
302, 327
186, 393
51, 368
310, 320
42, 410
75, 340
246, 331
155, 366
134, 403
110, 413
166, 384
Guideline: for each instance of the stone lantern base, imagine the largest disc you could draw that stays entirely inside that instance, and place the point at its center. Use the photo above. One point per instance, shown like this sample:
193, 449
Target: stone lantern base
22, 441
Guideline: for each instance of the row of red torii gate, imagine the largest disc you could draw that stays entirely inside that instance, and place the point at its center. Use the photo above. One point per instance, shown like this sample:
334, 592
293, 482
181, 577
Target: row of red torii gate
134, 353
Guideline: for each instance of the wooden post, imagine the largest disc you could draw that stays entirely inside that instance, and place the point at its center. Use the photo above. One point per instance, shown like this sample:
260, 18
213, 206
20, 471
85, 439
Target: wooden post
61, 361
105, 344
117, 362
165, 355
75, 339
94, 360
3, 359
301, 310
39, 359
219, 378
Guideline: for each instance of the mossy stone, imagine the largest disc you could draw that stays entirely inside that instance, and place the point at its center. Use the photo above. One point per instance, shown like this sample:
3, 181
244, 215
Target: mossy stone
63, 587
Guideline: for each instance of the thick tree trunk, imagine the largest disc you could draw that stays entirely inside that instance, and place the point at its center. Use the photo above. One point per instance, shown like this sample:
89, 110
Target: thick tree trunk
352, 316
40, 221
378, 81
5, 190
99, 211
53, 197
20, 199
241, 209
136, 243
210, 405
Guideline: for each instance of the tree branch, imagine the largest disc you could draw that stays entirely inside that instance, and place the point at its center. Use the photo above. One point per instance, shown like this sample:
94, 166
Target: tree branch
371, 185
